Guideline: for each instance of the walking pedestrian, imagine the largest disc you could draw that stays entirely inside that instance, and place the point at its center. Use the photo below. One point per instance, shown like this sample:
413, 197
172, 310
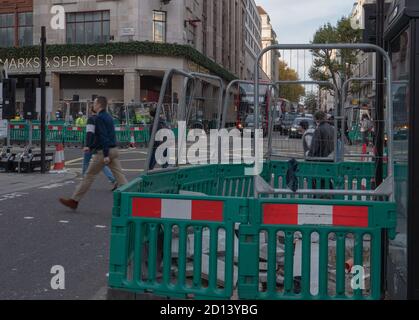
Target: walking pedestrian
105, 153
88, 150
365, 128
322, 148
307, 137
322, 145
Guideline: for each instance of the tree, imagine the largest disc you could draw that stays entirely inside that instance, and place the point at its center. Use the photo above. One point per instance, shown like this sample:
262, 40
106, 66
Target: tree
292, 92
310, 102
335, 64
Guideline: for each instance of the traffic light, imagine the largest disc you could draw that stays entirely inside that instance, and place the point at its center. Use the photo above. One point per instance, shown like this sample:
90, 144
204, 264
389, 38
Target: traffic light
29, 108
9, 99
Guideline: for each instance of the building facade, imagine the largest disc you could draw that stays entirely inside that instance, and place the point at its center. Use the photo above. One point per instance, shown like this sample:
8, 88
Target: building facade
118, 48
270, 61
252, 39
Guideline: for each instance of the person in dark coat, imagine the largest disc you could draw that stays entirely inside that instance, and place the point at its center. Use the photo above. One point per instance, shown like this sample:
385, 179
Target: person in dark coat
323, 144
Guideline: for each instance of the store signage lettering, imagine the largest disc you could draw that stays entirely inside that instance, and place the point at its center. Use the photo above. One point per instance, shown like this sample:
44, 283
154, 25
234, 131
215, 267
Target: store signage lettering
100, 60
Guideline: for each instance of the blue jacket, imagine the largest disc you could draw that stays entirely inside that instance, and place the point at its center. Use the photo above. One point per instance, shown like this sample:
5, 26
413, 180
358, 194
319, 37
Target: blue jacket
105, 137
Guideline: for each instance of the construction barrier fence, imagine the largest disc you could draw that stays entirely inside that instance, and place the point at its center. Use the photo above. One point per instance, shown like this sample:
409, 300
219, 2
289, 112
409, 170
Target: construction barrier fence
199, 233
58, 132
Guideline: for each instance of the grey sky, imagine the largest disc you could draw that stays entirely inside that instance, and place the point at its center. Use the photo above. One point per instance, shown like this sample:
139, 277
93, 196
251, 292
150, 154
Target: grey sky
295, 21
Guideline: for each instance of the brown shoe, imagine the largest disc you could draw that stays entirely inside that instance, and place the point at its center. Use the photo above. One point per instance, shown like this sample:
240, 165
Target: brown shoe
70, 203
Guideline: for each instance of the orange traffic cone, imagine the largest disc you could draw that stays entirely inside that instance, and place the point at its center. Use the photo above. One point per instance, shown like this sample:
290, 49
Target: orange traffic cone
132, 142
59, 161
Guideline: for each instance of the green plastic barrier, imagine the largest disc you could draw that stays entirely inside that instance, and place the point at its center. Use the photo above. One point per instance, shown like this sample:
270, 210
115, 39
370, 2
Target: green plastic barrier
122, 134
74, 135
36, 132
320, 246
141, 133
55, 133
160, 222
141, 248
19, 131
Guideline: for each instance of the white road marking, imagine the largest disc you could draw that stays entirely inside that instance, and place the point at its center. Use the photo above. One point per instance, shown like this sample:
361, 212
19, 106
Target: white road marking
57, 185
74, 161
100, 227
28, 218
64, 221
132, 160
11, 196
133, 170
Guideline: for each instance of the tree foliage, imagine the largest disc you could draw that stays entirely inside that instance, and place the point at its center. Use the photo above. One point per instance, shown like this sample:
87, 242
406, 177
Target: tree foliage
290, 92
335, 65
310, 102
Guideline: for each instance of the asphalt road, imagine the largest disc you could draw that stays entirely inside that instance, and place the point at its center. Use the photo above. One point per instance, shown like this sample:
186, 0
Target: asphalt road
38, 233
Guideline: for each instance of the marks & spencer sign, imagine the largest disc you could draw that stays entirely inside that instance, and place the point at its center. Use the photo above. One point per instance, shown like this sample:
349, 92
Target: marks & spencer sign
20, 64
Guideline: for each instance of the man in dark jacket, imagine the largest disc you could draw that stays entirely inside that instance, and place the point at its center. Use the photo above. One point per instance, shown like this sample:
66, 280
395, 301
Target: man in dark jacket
323, 144
105, 154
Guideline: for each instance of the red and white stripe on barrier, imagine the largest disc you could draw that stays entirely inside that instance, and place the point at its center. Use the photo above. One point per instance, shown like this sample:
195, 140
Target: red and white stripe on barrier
75, 129
294, 214
137, 129
118, 129
55, 128
195, 210
17, 126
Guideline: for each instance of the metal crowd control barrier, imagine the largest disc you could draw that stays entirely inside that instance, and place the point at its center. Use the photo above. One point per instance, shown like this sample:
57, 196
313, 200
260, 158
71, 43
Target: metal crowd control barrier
378, 50
227, 97
167, 76
342, 107
308, 82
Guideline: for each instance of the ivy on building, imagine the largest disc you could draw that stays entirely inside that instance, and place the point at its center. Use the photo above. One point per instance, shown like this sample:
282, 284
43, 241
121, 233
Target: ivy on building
121, 48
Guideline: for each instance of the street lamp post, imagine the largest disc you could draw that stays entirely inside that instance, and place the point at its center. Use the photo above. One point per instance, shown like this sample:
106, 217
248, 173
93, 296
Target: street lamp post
43, 99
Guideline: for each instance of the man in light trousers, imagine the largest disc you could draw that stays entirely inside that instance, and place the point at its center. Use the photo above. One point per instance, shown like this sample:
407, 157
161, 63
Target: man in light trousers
105, 153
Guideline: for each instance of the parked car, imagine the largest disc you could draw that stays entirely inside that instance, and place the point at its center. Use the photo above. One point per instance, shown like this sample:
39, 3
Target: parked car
296, 130
286, 123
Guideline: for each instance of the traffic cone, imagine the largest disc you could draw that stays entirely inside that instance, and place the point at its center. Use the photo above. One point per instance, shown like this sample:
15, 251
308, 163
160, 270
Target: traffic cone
132, 142
59, 161
364, 151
